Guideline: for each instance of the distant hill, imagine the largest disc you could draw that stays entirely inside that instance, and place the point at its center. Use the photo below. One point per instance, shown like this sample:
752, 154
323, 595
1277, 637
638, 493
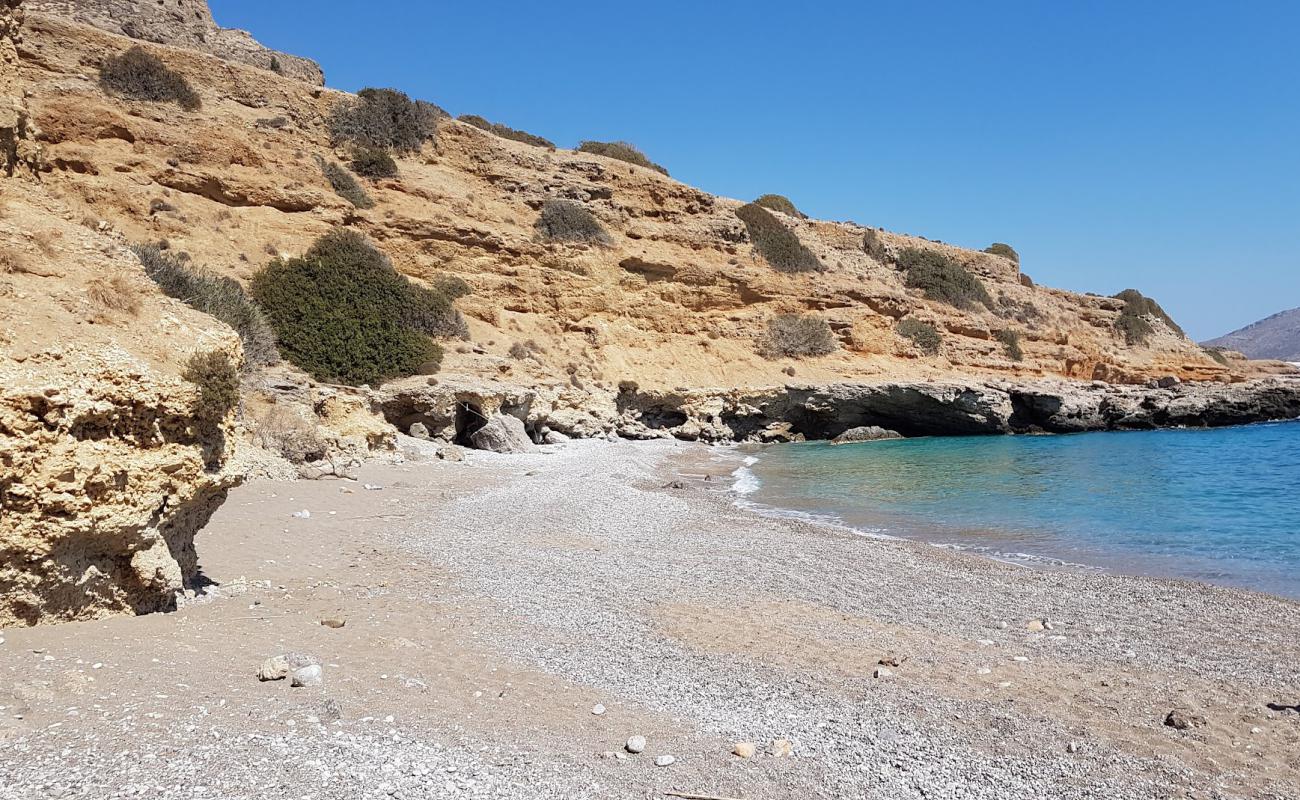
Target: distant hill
1277, 337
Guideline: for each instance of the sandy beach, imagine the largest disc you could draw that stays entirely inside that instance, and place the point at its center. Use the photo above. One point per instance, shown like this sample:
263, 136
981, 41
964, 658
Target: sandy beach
492, 607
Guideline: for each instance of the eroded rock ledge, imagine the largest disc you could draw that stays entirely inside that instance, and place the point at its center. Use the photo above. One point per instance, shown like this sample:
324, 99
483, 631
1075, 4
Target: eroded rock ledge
450, 410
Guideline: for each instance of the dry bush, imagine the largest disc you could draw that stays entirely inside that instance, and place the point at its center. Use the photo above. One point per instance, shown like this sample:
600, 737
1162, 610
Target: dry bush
1010, 340
11, 261
525, 349
383, 118
344, 185
1004, 250
114, 294
623, 151
922, 334
45, 242
570, 221
282, 431
218, 383
796, 336
1133, 320
140, 75
505, 131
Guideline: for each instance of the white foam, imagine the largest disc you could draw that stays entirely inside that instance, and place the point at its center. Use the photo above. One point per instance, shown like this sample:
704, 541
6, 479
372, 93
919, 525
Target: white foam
746, 481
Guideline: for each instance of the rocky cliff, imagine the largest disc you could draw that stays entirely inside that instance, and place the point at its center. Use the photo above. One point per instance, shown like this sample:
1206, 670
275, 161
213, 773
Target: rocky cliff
181, 23
106, 473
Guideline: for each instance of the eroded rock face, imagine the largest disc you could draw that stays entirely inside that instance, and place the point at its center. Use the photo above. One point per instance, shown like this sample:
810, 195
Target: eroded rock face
182, 23
105, 476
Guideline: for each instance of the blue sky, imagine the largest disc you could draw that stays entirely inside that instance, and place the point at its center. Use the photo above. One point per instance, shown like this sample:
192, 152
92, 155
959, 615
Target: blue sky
1154, 145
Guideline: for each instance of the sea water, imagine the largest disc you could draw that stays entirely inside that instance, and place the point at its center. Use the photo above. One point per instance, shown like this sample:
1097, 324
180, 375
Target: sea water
1220, 505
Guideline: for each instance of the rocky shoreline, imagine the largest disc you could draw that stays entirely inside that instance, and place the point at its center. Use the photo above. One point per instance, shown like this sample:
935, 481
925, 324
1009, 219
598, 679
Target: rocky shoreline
449, 409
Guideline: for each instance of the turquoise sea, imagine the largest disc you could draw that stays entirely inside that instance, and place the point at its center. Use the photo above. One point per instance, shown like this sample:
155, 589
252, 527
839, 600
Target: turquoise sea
1219, 505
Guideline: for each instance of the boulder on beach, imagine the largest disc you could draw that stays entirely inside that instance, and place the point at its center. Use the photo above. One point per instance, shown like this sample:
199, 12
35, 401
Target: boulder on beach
502, 434
866, 433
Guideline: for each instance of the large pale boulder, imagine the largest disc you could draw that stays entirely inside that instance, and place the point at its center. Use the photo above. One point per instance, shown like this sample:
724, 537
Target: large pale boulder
503, 434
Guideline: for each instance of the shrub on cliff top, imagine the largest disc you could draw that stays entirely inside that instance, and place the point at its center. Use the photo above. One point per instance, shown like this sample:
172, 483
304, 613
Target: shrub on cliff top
383, 118
505, 131
623, 151
570, 221
1132, 321
1004, 250
372, 162
775, 242
140, 75
217, 381
922, 334
220, 297
344, 314
940, 278
344, 184
796, 336
777, 202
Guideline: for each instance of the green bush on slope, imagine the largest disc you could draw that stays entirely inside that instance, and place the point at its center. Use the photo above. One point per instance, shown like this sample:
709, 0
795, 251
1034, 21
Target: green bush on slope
345, 315
778, 245
941, 278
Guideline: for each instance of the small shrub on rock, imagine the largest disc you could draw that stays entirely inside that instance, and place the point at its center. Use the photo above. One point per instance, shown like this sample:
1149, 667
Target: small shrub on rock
623, 151
777, 202
1011, 344
344, 314
570, 221
452, 286
344, 184
922, 334
218, 382
796, 336
220, 297
140, 75
372, 162
941, 278
383, 118
775, 242
1004, 250
114, 294
505, 131
1133, 320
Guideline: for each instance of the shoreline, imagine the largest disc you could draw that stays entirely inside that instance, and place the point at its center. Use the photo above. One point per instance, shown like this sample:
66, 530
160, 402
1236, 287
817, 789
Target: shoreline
1044, 548
491, 605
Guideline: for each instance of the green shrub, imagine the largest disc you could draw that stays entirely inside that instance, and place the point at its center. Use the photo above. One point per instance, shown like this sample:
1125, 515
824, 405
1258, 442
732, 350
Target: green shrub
1133, 322
623, 151
505, 131
922, 334
383, 118
570, 221
775, 242
345, 315
796, 336
217, 381
873, 246
1004, 250
942, 279
372, 162
1011, 344
344, 184
140, 75
777, 202
220, 297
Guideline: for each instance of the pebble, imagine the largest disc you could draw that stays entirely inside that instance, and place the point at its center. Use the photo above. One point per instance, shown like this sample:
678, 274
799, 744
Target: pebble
598, 709
1021, 659
304, 514
1072, 747
308, 676
664, 760
1256, 730
635, 744
780, 748
986, 642
984, 670
881, 672
1002, 625
743, 749
333, 622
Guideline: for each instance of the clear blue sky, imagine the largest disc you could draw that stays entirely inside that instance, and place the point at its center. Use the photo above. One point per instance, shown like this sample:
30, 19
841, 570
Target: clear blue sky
1114, 144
